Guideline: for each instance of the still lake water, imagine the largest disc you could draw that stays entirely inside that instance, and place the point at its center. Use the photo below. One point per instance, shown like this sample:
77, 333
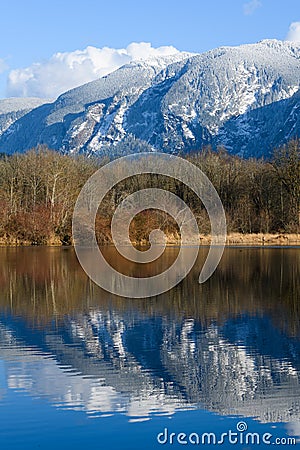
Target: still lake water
81, 368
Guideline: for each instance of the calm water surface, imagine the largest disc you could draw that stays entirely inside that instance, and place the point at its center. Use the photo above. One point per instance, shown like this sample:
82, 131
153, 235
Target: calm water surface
81, 368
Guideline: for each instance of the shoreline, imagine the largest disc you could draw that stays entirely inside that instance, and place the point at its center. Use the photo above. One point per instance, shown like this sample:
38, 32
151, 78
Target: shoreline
232, 239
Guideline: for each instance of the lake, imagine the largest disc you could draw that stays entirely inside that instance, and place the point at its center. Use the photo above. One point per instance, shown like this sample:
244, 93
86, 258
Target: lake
215, 363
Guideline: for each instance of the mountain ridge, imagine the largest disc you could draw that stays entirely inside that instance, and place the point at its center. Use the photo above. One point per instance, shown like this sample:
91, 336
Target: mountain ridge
12, 109
176, 104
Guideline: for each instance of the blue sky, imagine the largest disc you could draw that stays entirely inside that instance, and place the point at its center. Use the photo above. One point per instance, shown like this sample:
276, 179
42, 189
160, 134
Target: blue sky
33, 31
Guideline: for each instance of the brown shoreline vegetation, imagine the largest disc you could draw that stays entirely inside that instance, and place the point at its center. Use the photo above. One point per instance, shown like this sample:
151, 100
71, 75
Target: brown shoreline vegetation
261, 198
232, 239
239, 239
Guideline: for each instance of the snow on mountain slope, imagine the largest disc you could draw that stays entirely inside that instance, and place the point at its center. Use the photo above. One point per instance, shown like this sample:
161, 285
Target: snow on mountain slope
214, 88
11, 109
262, 128
245, 98
73, 119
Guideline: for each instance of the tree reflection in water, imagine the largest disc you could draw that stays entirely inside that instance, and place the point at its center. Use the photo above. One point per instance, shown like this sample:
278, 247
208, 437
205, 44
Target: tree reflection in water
231, 345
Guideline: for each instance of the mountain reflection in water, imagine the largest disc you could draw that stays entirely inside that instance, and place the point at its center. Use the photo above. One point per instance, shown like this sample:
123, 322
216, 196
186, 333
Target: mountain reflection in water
231, 345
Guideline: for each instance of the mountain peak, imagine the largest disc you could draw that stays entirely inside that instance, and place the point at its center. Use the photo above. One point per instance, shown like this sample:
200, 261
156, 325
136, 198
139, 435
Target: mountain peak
239, 97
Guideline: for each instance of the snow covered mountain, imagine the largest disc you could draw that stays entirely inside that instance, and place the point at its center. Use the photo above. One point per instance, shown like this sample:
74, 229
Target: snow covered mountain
245, 98
12, 109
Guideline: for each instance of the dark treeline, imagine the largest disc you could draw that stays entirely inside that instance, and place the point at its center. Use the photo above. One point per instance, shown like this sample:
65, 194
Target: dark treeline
38, 191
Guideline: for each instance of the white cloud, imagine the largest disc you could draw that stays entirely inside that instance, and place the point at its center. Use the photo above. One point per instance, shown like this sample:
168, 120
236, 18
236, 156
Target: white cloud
3, 65
251, 6
294, 32
63, 71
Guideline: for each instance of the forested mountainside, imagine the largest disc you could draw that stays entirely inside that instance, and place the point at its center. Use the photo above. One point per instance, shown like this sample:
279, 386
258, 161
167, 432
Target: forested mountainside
244, 98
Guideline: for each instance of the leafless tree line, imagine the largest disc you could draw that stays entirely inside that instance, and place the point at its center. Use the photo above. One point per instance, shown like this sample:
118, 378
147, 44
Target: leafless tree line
38, 191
